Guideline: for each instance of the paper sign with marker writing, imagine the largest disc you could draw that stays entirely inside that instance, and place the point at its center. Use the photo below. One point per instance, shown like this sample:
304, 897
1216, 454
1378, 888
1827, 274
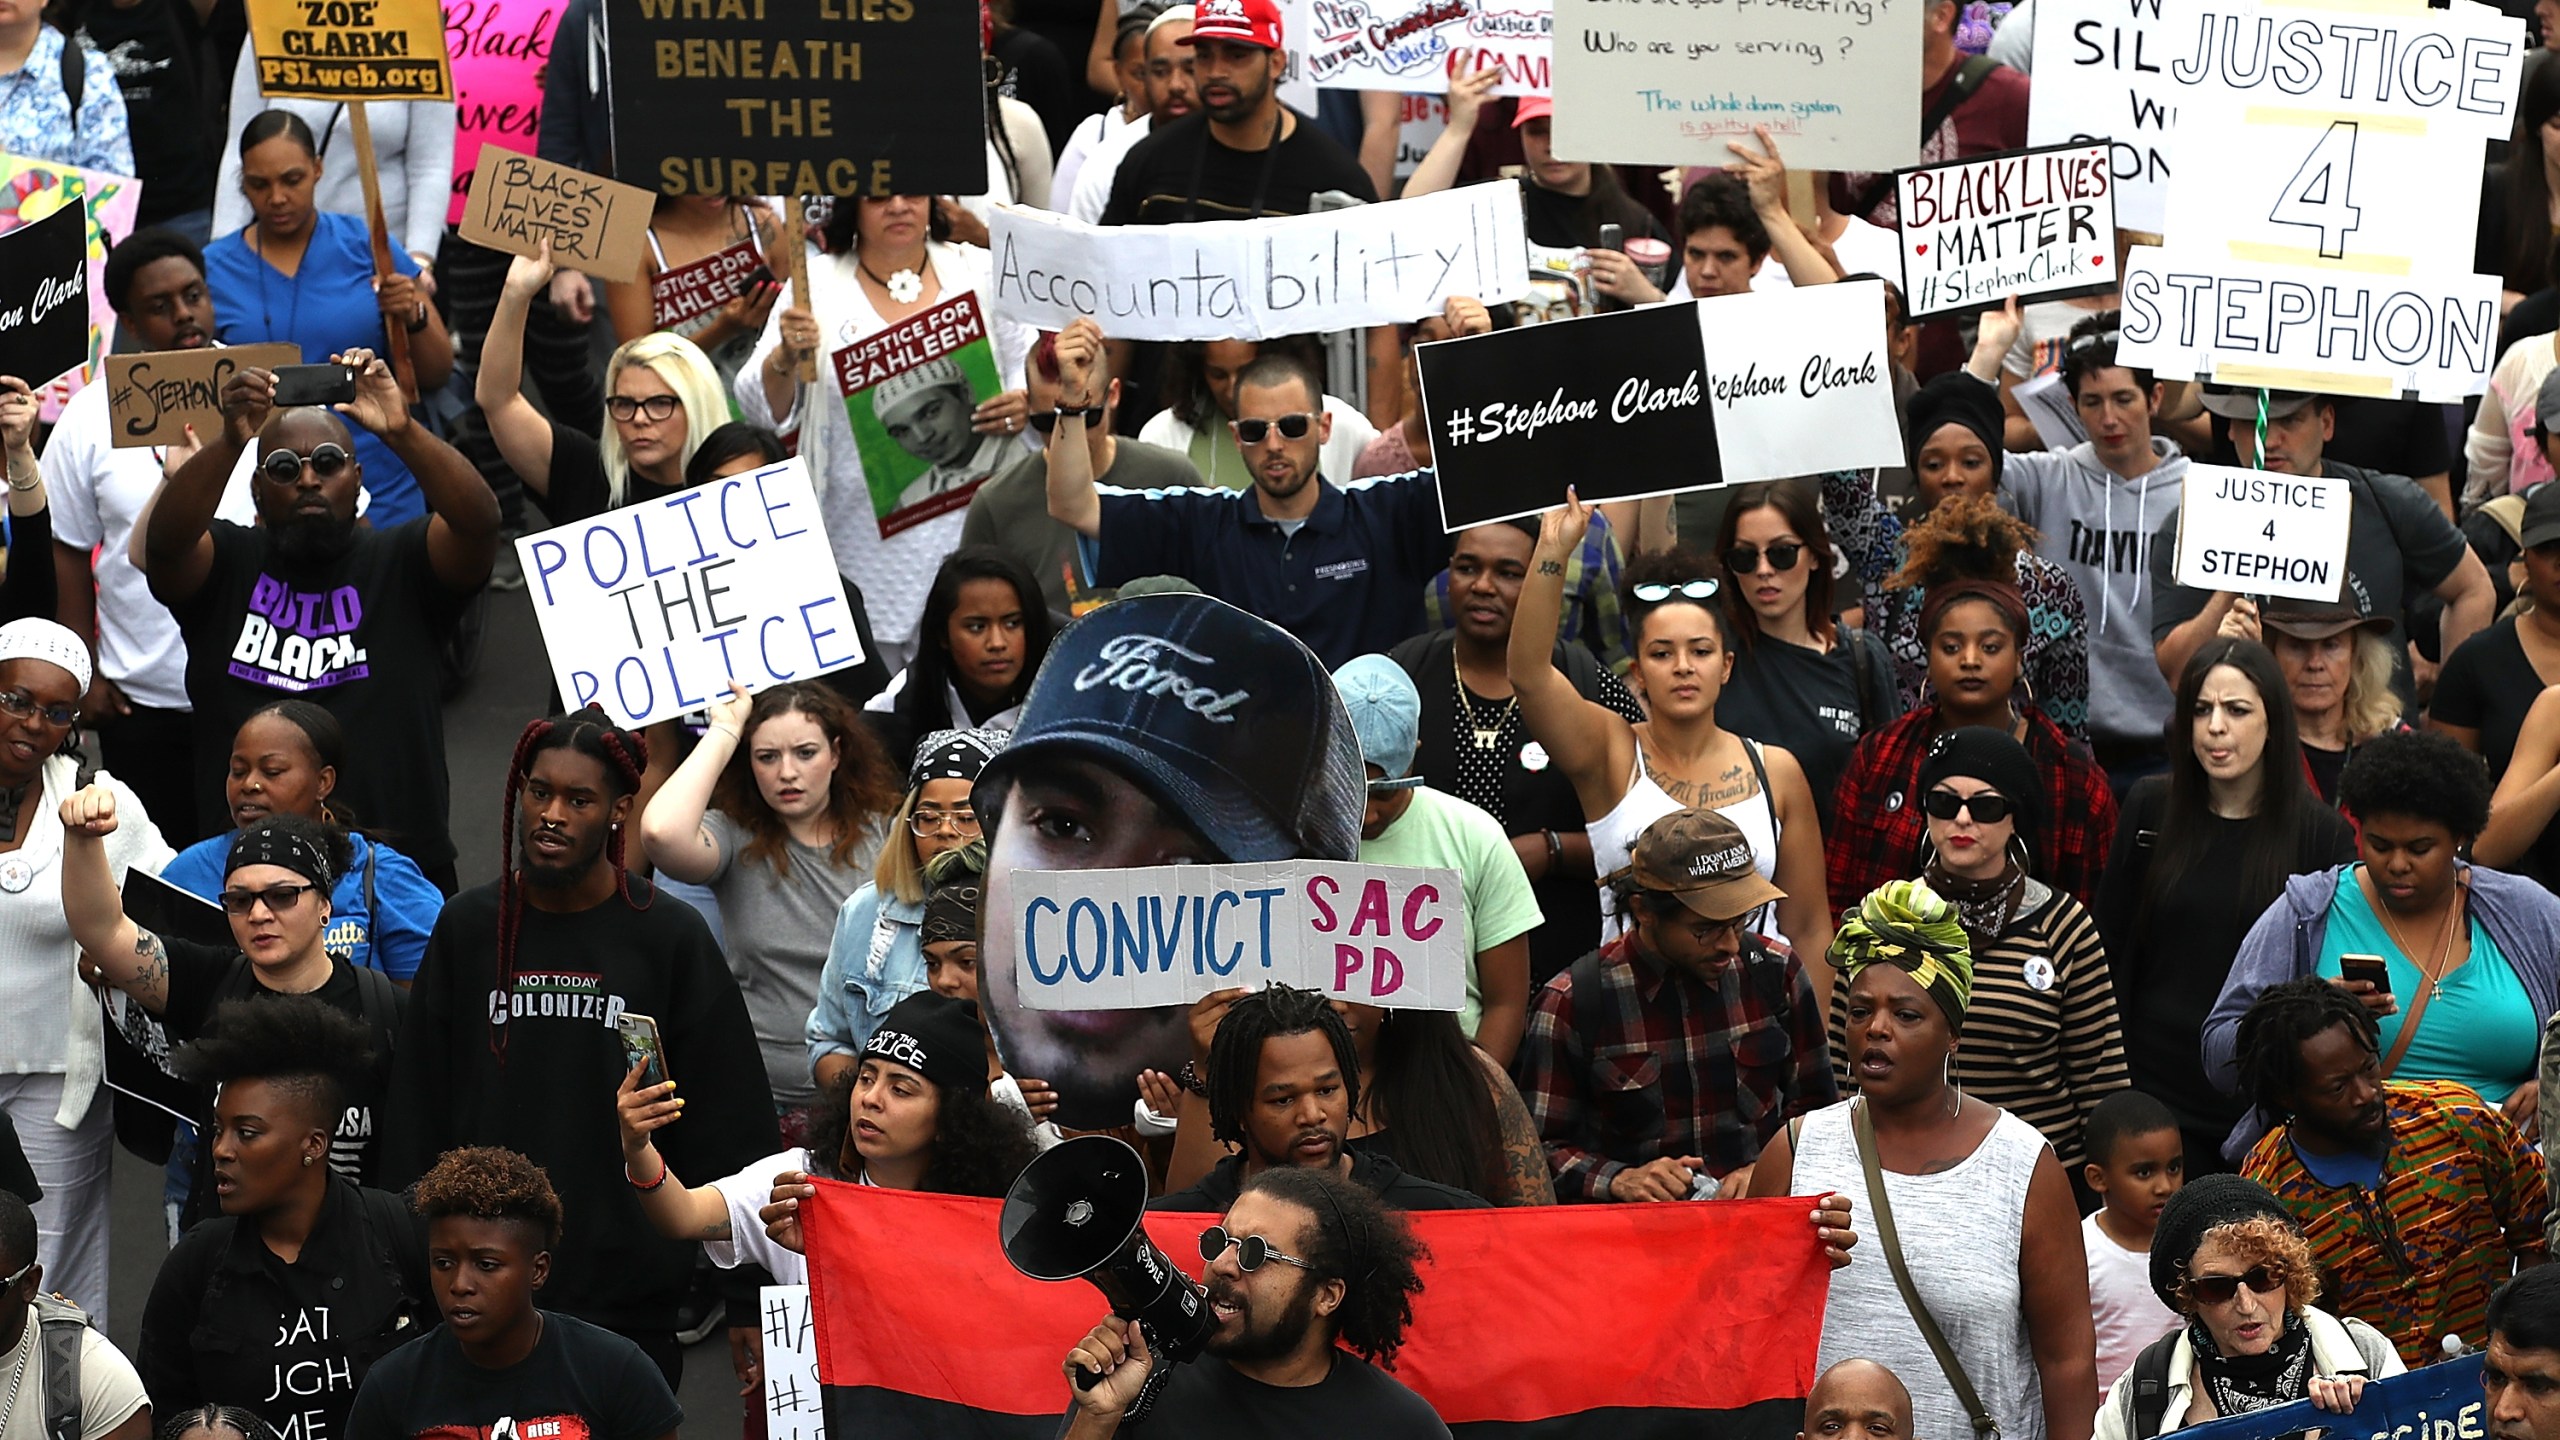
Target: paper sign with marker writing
2292, 327
2105, 64
2254, 532
350, 49
1417, 45
498, 51
1256, 279
794, 1406
1800, 381
596, 225
1672, 82
2027, 224
651, 610
152, 398
1382, 935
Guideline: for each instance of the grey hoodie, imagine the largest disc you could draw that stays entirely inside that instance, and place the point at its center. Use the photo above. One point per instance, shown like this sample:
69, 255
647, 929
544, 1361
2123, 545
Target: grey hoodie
2097, 526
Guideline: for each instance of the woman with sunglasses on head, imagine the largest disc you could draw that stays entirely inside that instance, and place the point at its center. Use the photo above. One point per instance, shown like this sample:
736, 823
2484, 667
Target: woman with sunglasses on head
1630, 775
985, 628
1801, 679
876, 957
2230, 1260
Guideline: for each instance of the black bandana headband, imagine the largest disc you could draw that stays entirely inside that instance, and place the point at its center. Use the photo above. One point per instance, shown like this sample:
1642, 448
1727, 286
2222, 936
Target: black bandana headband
954, 755
269, 843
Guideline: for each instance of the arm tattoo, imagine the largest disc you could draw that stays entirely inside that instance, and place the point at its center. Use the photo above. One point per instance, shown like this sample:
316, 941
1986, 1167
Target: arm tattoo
717, 1229
1550, 567
151, 976
1526, 1174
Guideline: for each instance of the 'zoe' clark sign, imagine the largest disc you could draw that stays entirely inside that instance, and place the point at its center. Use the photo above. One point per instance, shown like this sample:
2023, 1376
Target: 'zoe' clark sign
1381, 935
651, 610
2032, 223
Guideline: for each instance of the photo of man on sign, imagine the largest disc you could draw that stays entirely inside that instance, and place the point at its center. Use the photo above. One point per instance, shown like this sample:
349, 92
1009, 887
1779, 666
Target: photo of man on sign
927, 412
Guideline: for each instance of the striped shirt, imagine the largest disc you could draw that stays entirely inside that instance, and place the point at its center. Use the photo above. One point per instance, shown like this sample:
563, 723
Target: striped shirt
2040, 1039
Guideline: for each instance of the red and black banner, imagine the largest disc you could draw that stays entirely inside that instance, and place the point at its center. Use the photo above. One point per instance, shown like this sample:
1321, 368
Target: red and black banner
1619, 1322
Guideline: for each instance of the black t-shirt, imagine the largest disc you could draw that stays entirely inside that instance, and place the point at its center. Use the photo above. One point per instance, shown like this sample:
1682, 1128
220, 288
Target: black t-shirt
580, 1383
154, 49
363, 637
2326, 768
1208, 1397
1812, 703
2488, 686
1566, 222
2390, 437
1181, 172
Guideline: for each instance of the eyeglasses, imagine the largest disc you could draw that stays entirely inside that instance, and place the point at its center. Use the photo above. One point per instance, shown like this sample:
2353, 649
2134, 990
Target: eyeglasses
2218, 1289
24, 706
936, 822
11, 1281
1251, 1250
656, 407
285, 466
1743, 559
281, 899
1988, 808
1091, 415
1654, 594
1292, 427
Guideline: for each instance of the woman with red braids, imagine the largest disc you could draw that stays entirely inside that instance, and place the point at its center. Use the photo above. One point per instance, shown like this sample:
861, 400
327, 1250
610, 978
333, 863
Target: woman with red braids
512, 1032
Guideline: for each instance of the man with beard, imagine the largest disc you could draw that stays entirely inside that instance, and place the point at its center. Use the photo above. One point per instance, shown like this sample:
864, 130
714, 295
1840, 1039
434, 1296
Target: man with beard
2520, 1375
1171, 94
511, 1037
1311, 1279
310, 603
1283, 1081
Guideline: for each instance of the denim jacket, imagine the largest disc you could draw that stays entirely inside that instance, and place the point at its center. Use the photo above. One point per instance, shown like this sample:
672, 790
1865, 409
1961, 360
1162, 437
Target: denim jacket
875, 960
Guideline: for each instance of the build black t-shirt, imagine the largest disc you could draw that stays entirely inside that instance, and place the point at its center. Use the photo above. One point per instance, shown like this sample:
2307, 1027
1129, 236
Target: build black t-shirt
1208, 1397
153, 46
1181, 172
580, 1383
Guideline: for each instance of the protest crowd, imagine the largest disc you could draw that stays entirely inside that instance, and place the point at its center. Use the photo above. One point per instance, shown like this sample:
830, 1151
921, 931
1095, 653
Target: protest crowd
2143, 988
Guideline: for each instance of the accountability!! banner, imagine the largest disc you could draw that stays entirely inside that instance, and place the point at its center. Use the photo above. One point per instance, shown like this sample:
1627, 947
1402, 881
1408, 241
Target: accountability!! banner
1713, 1315
911, 393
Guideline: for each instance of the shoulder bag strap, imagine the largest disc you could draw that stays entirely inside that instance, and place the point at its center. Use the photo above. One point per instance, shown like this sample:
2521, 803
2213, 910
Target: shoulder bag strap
1984, 1427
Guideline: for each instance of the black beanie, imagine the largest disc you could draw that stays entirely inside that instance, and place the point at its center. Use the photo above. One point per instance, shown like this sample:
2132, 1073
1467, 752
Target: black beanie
2200, 1205
1994, 757
935, 1036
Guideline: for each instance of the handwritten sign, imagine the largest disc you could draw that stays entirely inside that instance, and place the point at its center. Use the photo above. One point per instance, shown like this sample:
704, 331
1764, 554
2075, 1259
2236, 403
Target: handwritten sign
678, 295
2105, 69
1256, 279
350, 50
2190, 316
798, 97
1801, 383
2253, 532
1416, 45
2437, 1402
910, 394
1166, 935
2031, 223
497, 51
1672, 82
152, 398
596, 225
44, 297
651, 610
794, 1406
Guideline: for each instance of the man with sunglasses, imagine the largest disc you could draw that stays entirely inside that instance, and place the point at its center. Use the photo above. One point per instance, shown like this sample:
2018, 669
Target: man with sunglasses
65, 1368
312, 603
1310, 1278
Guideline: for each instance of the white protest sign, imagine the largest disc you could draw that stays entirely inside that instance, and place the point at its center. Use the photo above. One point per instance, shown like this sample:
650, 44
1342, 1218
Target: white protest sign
1382, 935
1670, 82
1800, 380
1257, 279
651, 610
2031, 223
1416, 45
2254, 532
2105, 65
794, 1407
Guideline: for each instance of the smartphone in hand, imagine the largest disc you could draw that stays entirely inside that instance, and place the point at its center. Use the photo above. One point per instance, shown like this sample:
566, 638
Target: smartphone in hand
2371, 969
642, 1045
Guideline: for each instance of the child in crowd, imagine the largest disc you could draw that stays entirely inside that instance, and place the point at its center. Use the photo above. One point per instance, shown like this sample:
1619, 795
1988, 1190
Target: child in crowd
2137, 1160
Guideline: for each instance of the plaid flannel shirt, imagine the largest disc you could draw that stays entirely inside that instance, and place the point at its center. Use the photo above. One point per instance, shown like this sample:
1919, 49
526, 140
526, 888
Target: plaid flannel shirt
1594, 616
1876, 826
1662, 1062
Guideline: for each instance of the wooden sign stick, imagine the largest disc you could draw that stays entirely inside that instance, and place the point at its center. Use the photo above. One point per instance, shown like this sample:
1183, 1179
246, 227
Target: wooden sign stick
396, 332
795, 243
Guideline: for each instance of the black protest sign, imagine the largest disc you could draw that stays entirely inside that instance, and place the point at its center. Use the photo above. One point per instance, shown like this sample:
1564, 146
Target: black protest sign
44, 296
798, 97
1615, 406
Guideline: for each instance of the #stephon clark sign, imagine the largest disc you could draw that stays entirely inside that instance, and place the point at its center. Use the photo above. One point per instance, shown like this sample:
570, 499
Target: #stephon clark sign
2253, 532
44, 297
350, 50
1800, 380
2031, 223
1382, 935
651, 610
596, 225
798, 97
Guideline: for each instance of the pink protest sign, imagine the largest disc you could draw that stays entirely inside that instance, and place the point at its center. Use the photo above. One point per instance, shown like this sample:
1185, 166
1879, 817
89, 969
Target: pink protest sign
499, 51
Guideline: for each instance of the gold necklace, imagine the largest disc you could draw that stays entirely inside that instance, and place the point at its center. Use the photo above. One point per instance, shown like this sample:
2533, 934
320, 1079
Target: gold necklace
1487, 736
2444, 946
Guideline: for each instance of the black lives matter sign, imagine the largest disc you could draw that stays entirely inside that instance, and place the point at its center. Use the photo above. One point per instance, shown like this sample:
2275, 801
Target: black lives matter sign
798, 97
350, 50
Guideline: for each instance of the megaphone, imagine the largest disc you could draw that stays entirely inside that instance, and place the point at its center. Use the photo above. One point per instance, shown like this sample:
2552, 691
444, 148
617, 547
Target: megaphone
1078, 1210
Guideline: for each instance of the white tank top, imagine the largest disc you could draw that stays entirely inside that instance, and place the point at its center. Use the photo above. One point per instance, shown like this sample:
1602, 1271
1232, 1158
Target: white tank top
1613, 836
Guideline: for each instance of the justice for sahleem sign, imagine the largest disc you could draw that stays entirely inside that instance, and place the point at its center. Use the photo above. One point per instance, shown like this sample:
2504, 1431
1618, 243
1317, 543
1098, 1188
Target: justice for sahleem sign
2254, 532
2030, 224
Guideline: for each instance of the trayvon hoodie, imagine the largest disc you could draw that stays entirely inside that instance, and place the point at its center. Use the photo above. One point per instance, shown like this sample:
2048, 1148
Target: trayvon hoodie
2097, 525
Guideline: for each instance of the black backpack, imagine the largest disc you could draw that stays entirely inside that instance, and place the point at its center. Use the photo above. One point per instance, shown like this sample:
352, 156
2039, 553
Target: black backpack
62, 1325
2149, 1378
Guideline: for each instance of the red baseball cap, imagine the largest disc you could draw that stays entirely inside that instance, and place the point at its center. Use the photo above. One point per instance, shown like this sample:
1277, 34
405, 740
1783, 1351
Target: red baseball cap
1248, 22
1533, 107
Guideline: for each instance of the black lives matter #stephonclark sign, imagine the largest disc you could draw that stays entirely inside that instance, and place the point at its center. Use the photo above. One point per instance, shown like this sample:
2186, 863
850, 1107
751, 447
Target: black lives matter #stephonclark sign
797, 97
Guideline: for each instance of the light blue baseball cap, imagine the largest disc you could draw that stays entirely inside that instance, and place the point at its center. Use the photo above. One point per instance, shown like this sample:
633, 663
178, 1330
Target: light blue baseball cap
1386, 715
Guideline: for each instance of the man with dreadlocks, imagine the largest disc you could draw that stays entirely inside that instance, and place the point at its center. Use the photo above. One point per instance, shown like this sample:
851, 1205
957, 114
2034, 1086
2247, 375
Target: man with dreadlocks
2417, 1196
511, 1033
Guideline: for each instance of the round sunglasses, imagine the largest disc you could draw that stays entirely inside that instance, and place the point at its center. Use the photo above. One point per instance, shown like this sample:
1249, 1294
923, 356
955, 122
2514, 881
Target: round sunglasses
285, 466
1654, 593
1251, 1250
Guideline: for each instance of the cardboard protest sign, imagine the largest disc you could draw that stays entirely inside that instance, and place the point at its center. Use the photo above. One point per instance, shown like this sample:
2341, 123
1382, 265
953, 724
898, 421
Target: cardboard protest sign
2105, 65
153, 397
1640, 82
2254, 532
31, 190
794, 1407
678, 295
350, 49
44, 298
596, 225
651, 610
1801, 383
1381, 935
798, 97
1416, 45
1614, 405
2029, 223
1256, 279
911, 393
2442, 1401
497, 52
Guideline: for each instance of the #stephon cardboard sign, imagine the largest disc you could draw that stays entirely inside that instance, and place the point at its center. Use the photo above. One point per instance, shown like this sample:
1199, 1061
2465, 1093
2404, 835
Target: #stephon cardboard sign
350, 49
152, 398
596, 225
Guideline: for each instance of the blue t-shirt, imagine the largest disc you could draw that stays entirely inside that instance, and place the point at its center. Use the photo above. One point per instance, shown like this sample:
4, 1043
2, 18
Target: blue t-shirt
392, 943
2481, 1032
327, 308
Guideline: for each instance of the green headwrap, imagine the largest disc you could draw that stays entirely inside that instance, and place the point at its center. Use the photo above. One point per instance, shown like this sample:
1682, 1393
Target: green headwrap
1908, 924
